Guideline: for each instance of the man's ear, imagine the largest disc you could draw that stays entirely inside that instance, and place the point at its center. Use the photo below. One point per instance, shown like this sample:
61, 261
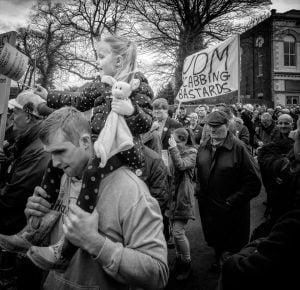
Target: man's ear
85, 141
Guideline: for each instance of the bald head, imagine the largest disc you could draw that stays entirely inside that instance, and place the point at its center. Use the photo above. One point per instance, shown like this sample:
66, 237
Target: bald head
286, 118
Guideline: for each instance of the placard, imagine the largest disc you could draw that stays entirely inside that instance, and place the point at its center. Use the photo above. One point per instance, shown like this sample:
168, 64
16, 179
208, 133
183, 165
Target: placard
13, 63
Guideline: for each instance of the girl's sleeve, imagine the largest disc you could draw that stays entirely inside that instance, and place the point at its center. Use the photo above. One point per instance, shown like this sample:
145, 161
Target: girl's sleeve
141, 120
82, 101
183, 162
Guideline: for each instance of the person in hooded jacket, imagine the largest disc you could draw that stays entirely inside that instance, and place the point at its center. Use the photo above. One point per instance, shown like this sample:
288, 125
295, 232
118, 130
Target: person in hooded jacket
181, 205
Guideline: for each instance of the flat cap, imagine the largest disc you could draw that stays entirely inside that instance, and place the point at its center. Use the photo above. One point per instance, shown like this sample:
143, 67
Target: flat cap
216, 118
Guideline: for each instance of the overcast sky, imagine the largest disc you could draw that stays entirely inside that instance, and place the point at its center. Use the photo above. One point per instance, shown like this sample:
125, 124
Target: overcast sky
15, 12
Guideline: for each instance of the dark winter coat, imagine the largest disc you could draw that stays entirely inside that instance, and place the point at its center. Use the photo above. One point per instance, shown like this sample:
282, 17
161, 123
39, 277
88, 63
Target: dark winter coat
243, 135
25, 173
181, 205
267, 135
273, 161
155, 175
197, 133
268, 264
247, 119
227, 184
169, 127
98, 96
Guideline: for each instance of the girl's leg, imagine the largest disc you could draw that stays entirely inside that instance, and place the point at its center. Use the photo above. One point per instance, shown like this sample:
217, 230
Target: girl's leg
182, 247
182, 244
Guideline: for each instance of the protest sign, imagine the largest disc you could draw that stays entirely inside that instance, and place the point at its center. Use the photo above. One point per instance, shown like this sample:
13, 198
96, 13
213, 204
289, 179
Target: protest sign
9, 37
13, 63
211, 72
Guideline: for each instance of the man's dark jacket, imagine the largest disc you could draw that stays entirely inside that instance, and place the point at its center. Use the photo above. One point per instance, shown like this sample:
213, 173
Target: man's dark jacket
228, 181
18, 182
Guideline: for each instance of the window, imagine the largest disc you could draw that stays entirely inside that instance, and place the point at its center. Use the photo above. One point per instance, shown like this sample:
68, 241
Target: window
292, 100
259, 43
289, 50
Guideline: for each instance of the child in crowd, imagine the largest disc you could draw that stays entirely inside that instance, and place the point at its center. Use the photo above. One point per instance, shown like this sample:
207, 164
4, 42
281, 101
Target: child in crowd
181, 208
117, 58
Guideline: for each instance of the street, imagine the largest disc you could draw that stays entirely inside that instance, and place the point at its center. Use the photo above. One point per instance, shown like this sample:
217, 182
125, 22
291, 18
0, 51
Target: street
202, 255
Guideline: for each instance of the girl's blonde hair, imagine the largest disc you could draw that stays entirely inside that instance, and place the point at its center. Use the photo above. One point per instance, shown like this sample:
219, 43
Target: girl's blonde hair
127, 49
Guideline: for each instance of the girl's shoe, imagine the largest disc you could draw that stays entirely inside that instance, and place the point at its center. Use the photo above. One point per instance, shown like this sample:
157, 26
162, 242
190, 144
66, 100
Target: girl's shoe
55, 257
29, 235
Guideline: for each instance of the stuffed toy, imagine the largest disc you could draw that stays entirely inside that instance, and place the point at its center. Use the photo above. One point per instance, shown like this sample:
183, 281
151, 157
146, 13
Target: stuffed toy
115, 136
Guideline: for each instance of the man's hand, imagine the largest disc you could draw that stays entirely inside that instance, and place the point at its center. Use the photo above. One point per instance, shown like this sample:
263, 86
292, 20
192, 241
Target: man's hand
41, 91
37, 205
81, 229
122, 107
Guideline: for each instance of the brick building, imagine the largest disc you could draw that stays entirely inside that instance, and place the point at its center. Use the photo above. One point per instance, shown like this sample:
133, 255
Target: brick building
270, 60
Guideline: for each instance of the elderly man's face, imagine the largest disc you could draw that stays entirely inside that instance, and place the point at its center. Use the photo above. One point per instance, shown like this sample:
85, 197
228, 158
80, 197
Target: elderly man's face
68, 157
285, 125
218, 132
266, 121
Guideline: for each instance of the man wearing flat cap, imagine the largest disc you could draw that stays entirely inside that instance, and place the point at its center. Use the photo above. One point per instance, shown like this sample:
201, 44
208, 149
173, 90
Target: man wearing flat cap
228, 179
25, 167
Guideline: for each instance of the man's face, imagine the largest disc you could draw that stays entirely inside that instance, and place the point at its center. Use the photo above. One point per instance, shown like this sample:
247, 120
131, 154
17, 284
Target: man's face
266, 121
285, 125
182, 112
218, 132
193, 119
160, 114
201, 112
66, 156
238, 126
20, 121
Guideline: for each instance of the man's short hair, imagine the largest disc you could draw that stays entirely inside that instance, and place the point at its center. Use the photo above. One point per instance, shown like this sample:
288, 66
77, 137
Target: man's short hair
160, 103
69, 120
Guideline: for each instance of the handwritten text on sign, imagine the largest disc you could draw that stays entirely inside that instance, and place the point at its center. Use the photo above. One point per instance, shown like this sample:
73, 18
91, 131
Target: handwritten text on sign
13, 63
211, 72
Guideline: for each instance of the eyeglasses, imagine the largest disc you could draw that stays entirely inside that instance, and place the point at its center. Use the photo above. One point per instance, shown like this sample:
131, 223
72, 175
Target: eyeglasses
284, 123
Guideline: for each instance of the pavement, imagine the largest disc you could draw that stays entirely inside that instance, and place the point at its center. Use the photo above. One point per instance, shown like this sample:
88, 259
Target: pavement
203, 256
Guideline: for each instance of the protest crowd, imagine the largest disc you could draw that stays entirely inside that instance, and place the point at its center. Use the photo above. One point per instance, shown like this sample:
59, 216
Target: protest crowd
96, 200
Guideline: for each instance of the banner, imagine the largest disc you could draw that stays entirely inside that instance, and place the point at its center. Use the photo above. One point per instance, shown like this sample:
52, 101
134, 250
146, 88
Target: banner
13, 63
211, 72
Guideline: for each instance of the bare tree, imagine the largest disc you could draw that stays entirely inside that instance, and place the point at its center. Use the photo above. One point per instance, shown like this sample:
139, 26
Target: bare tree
178, 28
87, 20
